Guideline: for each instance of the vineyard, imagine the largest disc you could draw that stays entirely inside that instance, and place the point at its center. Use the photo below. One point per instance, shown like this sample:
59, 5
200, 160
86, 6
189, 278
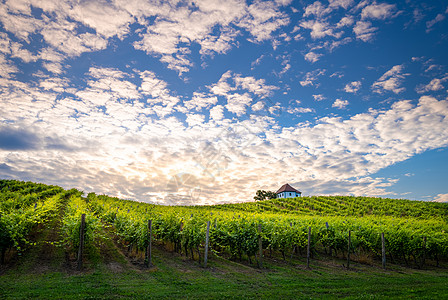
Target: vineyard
415, 233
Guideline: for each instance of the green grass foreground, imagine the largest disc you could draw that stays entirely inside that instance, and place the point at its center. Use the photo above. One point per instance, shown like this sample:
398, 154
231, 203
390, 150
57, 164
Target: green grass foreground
175, 277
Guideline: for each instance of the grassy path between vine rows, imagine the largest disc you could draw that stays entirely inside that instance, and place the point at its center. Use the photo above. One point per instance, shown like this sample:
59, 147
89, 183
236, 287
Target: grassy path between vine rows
108, 274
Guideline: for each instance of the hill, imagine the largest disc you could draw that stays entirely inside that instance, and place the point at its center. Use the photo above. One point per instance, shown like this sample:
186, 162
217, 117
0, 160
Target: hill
344, 206
40, 237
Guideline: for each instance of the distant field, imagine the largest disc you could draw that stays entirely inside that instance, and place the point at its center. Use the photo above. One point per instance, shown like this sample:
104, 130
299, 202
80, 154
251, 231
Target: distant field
40, 238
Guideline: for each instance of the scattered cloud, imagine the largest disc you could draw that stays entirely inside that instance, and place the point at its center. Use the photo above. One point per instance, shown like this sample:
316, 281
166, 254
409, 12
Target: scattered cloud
312, 57
300, 110
352, 87
390, 81
103, 137
339, 103
217, 113
319, 97
318, 29
430, 24
200, 101
364, 31
317, 18
441, 198
7, 68
168, 29
433, 86
380, 11
311, 77
345, 21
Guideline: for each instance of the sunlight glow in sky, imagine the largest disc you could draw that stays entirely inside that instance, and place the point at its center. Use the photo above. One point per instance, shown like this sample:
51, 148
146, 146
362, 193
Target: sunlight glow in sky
199, 102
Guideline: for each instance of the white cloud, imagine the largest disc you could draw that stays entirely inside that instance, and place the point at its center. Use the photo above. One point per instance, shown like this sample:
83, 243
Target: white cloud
111, 84
352, 87
311, 77
237, 103
219, 44
378, 11
339, 103
364, 31
390, 81
316, 9
213, 25
23, 54
319, 97
222, 87
73, 45
54, 84
21, 26
318, 29
319, 10
98, 149
345, 21
104, 17
312, 56
217, 113
200, 101
55, 68
153, 86
240, 90
299, 110
374, 140
256, 86
257, 61
441, 198
195, 119
434, 85
7, 67
437, 19
258, 106
262, 19
184, 25
286, 68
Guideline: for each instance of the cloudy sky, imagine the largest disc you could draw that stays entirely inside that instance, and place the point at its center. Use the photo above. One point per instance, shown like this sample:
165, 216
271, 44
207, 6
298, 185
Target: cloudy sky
193, 102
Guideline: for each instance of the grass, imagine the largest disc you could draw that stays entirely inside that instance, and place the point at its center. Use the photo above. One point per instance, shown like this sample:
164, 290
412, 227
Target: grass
175, 277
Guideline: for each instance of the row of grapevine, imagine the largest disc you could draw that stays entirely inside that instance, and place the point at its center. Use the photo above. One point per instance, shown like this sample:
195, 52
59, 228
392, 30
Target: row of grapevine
236, 233
344, 206
23, 207
71, 223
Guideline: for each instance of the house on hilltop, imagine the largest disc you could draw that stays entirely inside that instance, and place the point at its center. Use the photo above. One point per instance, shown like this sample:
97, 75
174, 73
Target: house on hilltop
287, 191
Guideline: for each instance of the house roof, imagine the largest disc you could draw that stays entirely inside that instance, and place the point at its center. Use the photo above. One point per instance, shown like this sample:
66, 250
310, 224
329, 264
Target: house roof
287, 188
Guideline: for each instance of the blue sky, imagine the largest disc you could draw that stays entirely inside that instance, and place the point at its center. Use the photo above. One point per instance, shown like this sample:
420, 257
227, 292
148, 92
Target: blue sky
197, 102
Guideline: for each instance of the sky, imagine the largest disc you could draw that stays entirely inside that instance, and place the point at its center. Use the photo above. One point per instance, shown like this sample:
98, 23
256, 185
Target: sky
202, 102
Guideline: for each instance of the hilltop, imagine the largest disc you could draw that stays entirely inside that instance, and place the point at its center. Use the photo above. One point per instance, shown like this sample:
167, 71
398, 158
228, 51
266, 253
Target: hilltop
343, 206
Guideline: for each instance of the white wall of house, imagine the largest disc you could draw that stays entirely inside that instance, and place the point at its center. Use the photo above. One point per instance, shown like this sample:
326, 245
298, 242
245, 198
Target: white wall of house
288, 195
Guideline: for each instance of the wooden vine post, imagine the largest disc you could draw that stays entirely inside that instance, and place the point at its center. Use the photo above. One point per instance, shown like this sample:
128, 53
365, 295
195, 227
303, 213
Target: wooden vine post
148, 261
260, 248
330, 248
383, 250
207, 237
81, 241
424, 251
348, 250
308, 249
